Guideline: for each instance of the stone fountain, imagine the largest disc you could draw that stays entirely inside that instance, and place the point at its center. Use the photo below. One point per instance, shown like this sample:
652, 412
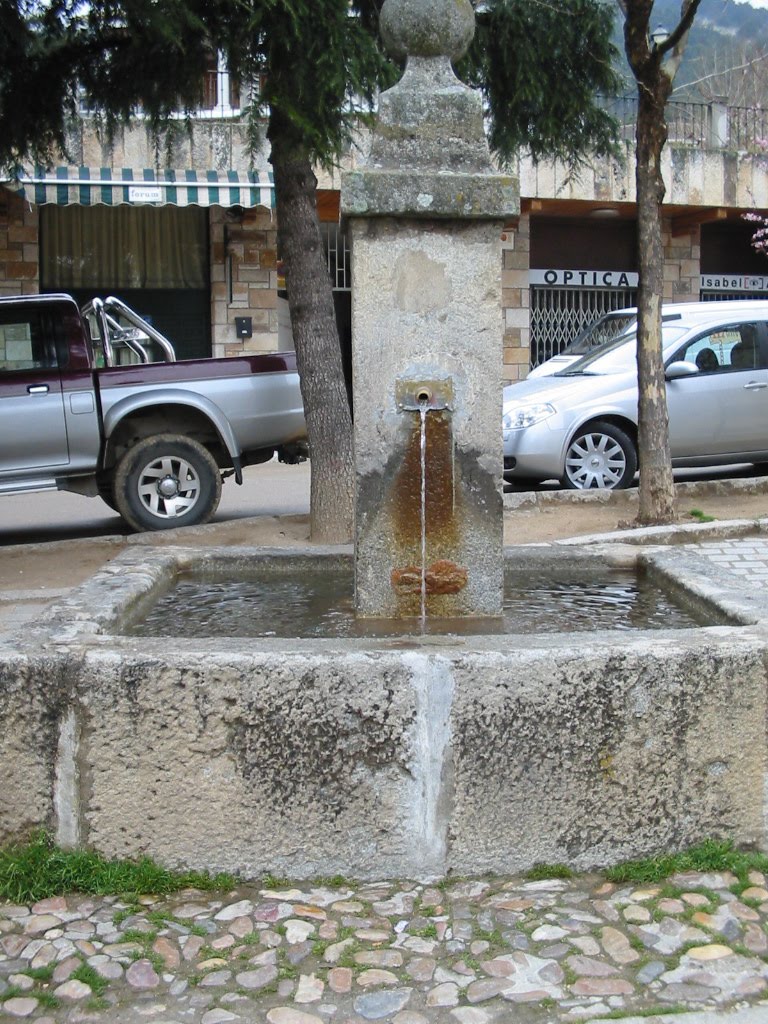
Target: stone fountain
422, 754
425, 215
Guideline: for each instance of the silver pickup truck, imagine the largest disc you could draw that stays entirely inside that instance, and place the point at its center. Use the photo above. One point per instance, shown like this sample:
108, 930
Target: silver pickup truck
94, 401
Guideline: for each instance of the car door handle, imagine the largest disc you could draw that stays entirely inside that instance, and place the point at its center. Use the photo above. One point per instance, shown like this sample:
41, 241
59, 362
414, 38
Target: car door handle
38, 389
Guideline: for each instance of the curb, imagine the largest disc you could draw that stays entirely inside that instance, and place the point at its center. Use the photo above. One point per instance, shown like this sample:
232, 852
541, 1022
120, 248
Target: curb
693, 489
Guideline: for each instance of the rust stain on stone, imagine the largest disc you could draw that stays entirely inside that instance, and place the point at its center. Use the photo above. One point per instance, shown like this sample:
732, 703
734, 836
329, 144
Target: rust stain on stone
442, 577
445, 577
439, 497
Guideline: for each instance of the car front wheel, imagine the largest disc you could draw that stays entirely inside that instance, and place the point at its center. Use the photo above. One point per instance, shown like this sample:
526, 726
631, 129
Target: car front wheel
600, 455
167, 481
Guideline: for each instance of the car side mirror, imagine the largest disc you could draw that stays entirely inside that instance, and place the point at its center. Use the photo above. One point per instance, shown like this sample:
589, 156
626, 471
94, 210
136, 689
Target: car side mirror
681, 368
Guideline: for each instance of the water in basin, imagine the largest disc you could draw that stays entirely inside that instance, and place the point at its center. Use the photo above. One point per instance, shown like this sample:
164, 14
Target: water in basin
320, 604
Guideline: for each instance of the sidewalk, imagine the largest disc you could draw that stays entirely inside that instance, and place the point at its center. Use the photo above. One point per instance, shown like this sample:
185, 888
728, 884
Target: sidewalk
464, 952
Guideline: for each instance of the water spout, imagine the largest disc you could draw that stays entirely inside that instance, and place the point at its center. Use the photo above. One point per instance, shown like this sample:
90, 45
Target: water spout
423, 404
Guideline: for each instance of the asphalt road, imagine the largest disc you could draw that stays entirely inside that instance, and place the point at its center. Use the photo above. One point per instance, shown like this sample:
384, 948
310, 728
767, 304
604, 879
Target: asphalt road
739, 472
271, 489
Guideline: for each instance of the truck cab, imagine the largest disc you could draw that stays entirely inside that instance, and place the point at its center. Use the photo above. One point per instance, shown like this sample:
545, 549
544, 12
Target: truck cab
94, 401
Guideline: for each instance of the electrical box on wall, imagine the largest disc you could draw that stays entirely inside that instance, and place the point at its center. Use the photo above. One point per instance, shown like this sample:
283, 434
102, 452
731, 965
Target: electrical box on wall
244, 326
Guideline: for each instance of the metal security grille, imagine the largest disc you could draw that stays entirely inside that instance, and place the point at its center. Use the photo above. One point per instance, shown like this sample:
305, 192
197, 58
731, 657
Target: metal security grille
337, 253
559, 314
707, 296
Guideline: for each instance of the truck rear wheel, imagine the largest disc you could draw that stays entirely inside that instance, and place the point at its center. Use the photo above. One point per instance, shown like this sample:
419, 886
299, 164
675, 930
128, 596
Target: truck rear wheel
167, 481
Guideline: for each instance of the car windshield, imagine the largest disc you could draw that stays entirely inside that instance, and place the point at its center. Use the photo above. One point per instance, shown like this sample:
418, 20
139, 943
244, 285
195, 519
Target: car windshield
608, 327
619, 355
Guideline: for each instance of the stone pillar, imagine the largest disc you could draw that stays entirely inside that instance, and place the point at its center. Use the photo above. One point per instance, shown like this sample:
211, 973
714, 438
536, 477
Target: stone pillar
19, 245
682, 264
425, 215
516, 299
244, 280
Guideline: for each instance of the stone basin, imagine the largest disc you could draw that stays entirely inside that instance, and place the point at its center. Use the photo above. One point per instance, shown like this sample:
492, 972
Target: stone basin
409, 756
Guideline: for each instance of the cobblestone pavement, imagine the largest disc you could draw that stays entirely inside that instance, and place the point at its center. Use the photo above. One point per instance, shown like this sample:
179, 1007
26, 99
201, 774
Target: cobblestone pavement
461, 952
746, 558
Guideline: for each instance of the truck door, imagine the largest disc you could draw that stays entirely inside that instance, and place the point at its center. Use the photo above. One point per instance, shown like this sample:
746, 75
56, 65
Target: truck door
33, 434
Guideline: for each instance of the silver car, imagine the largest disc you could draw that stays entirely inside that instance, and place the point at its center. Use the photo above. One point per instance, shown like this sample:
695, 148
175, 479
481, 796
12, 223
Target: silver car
579, 425
623, 321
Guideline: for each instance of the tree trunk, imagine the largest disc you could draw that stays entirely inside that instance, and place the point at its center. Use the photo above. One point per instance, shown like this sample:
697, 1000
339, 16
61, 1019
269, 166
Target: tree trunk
657, 488
315, 334
654, 63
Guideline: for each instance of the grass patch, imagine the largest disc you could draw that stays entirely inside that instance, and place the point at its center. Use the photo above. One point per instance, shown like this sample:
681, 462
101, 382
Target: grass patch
40, 869
319, 946
670, 892
702, 517
137, 935
542, 872
637, 944
494, 939
39, 973
429, 931
710, 855
161, 918
334, 882
47, 1000
648, 1011
275, 882
347, 957
97, 1003
89, 976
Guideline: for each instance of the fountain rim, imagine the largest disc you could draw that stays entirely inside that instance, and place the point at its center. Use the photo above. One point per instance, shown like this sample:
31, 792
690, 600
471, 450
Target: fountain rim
92, 615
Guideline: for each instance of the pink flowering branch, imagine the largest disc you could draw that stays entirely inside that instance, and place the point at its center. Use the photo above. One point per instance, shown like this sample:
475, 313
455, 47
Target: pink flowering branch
760, 234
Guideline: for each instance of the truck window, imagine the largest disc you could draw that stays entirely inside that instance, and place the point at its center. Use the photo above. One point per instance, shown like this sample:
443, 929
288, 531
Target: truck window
24, 345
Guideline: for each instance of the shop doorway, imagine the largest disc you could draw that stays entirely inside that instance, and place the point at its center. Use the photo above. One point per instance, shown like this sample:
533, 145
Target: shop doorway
559, 315
153, 258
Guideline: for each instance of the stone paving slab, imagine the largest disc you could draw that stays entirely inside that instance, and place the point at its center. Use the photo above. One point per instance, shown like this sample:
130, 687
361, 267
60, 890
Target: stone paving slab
478, 951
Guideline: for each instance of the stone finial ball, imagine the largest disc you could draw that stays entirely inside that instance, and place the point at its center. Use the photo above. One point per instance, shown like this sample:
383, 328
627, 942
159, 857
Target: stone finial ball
427, 28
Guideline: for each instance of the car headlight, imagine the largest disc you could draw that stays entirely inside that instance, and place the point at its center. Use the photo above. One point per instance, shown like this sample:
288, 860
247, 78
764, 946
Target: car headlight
526, 415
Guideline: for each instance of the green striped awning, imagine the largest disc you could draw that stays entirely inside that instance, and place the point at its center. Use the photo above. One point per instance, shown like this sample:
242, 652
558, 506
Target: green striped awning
88, 186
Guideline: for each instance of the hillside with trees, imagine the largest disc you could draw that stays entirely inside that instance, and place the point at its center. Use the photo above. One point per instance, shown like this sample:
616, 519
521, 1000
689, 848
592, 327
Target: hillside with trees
726, 54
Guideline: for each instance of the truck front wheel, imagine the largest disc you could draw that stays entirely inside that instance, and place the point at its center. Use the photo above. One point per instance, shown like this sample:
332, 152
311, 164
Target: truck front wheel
167, 481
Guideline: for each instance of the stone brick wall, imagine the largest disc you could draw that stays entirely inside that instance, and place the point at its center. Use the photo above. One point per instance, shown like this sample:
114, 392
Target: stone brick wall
243, 280
19, 246
515, 301
682, 265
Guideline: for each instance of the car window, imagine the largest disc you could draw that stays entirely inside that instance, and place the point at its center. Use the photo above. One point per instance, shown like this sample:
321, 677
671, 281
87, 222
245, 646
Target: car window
724, 349
620, 355
24, 345
608, 327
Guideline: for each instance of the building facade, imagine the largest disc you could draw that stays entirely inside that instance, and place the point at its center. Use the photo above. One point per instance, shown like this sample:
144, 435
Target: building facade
187, 233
